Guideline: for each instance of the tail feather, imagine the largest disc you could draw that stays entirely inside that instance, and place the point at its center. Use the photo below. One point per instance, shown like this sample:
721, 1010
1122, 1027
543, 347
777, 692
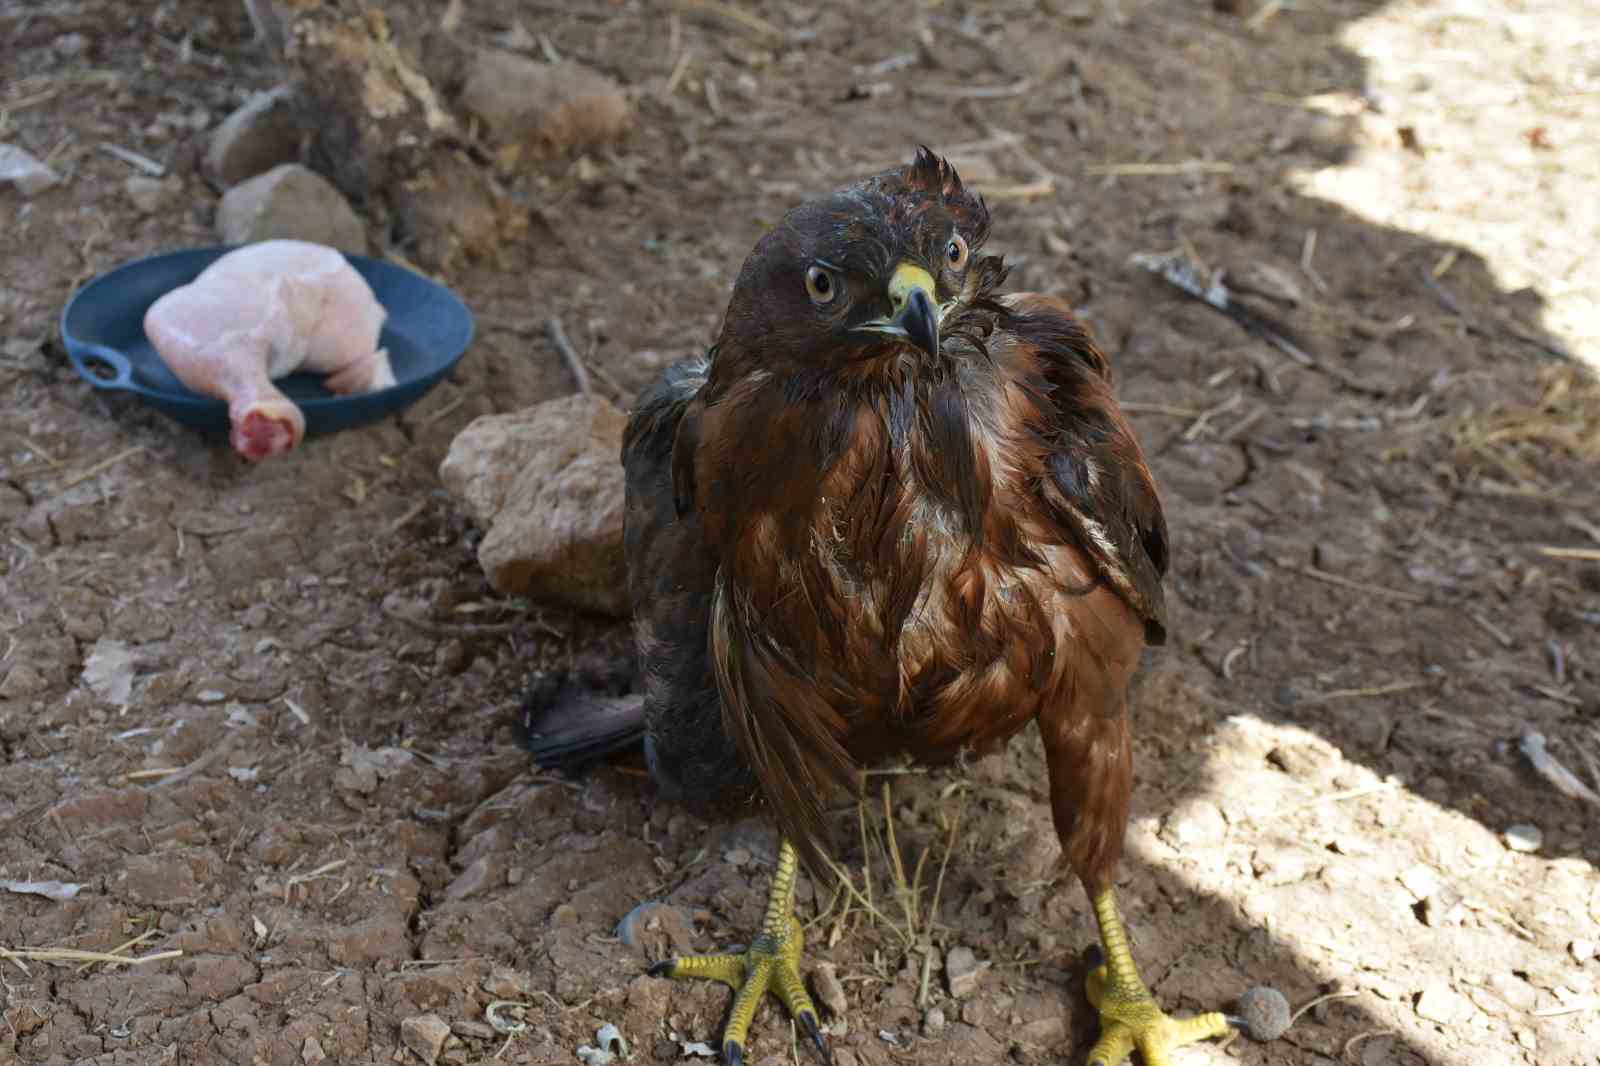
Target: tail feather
564, 724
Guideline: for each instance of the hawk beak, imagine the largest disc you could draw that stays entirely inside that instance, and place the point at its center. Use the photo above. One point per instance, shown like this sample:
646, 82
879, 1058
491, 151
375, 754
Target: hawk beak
916, 314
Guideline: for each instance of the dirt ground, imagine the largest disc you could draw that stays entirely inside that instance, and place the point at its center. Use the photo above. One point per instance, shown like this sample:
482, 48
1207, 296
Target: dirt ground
314, 791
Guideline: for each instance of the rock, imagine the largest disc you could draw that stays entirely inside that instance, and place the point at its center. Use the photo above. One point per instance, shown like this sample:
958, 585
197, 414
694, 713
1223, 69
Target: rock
484, 873
109, 671
425, 1034
22, 681
1438, 1002
933, 1022
23, 170
261, 134
1525, 838
452, 656
1581, 950
657, 929
472, 1030
149, 195
548, 484
556, 105
1265, 1012
504, 983
311, 1052
963, 971
290, 201
830, 990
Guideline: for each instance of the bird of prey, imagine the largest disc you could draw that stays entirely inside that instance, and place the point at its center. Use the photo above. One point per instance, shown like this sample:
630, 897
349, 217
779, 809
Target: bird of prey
893, 511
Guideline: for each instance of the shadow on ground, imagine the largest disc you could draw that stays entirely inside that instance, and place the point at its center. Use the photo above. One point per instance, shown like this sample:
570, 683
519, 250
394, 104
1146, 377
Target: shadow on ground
314, 792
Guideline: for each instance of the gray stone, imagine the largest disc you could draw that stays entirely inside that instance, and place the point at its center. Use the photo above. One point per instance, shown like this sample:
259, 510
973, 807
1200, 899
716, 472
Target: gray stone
22, 680
963, 971
149, 195
547, 482
425, 1034
290, 202
1525, 838
24, 170
260, 135
933, 1022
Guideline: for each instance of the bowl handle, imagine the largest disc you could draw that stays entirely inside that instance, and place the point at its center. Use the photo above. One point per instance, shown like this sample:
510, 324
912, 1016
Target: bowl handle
85, 353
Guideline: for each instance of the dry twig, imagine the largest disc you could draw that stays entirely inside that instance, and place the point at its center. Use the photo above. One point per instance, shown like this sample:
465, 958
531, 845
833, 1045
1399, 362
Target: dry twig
558, 337
66, 955
1357, 586
734, 16
1563, 780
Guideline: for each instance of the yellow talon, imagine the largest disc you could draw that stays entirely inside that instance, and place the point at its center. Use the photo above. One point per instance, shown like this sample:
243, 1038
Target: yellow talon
1130, 1018
770, 964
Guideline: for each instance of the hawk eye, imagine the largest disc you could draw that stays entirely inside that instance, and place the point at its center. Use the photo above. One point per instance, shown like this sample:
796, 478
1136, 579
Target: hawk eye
955, 252
821, 286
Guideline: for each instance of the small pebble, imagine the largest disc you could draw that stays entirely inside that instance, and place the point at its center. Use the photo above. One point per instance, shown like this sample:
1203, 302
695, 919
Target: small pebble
830, 991
1526, 838
963, 971
425, 1034
1265, 1013
148, 195
1581, 950
452, 657
933, 1022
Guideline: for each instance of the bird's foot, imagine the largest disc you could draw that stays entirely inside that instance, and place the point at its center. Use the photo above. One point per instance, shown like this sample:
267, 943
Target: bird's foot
1130, 1019
765, 967
770, 964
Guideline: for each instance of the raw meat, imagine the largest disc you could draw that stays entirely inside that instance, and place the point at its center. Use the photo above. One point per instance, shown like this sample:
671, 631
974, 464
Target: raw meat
261, 313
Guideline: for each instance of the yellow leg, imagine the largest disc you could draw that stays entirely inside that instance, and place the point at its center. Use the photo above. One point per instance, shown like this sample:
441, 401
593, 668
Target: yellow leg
770, 964
1130, 1019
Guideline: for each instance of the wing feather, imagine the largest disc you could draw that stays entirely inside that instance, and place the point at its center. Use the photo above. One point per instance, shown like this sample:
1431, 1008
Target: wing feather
1097, 483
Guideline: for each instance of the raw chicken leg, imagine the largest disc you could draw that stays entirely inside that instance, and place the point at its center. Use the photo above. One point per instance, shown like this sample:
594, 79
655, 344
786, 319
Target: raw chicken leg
263, 312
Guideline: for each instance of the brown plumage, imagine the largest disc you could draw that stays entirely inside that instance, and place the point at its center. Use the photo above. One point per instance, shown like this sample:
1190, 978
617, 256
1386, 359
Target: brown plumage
841, 547
892, 511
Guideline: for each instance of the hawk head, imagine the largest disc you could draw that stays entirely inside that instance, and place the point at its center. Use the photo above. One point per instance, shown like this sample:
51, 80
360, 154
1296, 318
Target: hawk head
881, 269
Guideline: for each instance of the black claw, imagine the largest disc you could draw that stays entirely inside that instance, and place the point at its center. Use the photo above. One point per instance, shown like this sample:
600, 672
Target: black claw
662, 968
733, 1053
1094, 957
809, 1020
